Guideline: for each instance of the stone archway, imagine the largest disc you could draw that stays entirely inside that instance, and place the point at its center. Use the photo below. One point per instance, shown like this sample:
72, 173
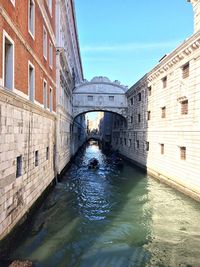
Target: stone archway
100, 94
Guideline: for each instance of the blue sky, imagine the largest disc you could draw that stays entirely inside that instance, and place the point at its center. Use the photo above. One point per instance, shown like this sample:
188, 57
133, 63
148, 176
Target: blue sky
125, 39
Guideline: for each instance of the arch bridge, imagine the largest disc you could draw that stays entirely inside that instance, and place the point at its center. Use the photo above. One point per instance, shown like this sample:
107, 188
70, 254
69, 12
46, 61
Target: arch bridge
100, 94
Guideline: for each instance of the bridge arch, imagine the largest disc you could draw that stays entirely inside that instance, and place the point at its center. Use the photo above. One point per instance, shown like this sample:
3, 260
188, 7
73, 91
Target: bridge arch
100, 94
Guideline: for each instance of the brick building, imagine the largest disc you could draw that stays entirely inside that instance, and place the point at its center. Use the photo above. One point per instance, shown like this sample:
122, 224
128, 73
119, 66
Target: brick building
27, 105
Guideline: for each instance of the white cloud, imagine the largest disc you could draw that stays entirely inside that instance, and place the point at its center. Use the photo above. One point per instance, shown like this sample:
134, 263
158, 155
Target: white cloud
129, 47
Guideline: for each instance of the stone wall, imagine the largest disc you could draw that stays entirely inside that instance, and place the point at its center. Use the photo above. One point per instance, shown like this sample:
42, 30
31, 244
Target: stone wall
24, 129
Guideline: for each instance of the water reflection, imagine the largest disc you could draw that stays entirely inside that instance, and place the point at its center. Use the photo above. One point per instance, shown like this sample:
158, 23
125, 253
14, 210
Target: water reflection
112, 217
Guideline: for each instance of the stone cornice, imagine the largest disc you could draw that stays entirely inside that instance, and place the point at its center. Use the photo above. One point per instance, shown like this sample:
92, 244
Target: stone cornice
13, 99
26, 45
183, 51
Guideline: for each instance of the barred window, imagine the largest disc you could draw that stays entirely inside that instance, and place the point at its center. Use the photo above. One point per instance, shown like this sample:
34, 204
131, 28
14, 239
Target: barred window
185, 71
19, 167
164, 82
162, 149
163, 114
148, 115
149, 90
183, 153
184, 107
36, 158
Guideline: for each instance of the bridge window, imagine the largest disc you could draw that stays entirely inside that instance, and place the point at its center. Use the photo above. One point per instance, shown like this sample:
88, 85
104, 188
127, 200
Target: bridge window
111, 98
90, 97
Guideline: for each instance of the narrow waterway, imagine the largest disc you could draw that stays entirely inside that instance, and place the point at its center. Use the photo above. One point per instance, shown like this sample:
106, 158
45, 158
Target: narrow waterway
112, 217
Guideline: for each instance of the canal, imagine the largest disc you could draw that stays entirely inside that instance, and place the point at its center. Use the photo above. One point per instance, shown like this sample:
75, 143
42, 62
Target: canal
111, 217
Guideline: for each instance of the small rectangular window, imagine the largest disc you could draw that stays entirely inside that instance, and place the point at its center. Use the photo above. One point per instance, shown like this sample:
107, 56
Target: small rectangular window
139, 118
131, 120
47, 153
137, 144
120, 141
19, 167
164, 82
31, 17
111, 98
36, 158
8, 66
45, 43
50, 55
149, 90
184, 107
163, 114
90, 98
31, 82
162, 149
125, 141
183, 153
131, 101
51, 99
147, 146
129, 143
139, 96
185, 71
148, 115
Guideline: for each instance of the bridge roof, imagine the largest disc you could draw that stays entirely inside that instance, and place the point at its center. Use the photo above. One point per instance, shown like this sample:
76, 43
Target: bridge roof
100, 85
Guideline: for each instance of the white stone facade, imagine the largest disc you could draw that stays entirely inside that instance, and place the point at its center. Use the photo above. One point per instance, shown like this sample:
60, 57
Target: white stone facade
25, 129
164, 119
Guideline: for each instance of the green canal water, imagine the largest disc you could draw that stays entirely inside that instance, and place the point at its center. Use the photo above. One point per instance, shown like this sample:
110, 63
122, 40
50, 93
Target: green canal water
112, 217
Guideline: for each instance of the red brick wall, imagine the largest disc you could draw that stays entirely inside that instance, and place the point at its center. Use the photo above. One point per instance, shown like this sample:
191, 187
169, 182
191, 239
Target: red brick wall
19, 16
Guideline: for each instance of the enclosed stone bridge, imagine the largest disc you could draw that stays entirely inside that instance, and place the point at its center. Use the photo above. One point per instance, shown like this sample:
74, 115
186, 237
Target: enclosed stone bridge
100, 94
